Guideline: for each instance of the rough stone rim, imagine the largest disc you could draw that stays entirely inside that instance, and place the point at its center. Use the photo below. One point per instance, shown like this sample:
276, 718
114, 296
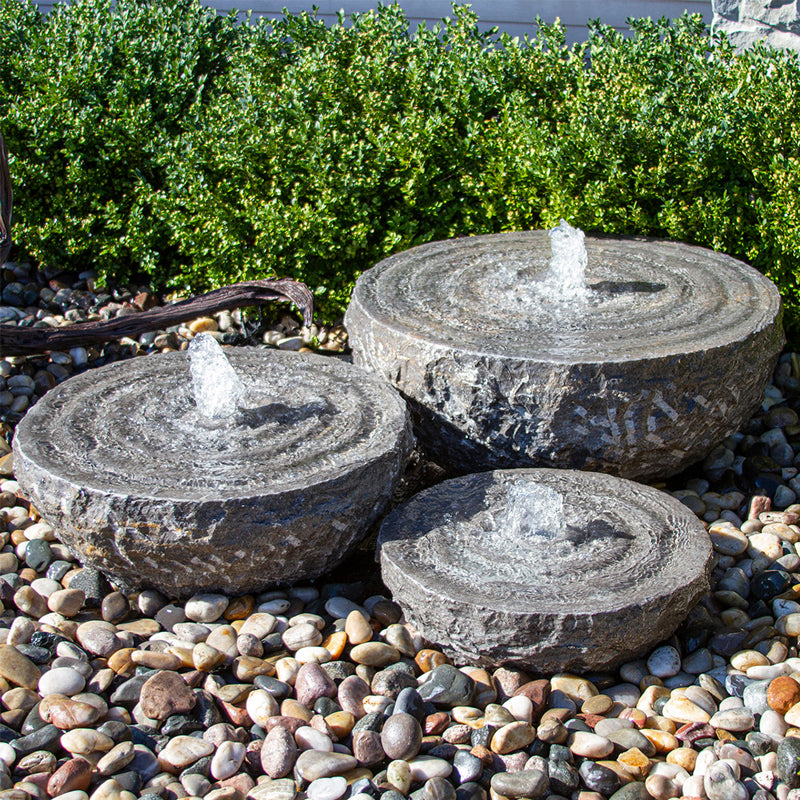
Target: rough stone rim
694, 561
765, 302
387, 404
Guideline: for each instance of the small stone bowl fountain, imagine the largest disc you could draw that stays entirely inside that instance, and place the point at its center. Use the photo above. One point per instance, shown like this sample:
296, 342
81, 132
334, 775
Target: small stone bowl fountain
141, 484
549, 570
638, 369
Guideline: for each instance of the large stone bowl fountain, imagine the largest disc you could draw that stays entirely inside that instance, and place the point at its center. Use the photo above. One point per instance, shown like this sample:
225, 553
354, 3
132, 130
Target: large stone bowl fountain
546, 569
139, 483
663, 351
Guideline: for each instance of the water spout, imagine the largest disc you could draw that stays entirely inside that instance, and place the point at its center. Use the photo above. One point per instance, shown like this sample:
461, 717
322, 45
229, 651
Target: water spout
565, 278
532, 510
218, 390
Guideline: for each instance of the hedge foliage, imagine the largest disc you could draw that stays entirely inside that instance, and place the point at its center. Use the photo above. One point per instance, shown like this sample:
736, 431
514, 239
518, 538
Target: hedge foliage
153, 136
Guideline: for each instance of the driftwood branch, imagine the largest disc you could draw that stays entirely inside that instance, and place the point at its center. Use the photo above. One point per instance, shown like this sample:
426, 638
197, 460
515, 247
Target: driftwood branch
15, 340
6, 203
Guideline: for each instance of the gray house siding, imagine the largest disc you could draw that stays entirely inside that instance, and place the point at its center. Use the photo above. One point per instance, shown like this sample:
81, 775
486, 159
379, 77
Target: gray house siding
513, 16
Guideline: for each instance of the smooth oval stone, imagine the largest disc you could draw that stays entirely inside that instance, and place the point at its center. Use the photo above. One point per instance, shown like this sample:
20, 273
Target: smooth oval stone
401, 736
367, 747
375, 654
438, 789
466, 766
327, 788
227, 760
409, 701
308, 738
18, 669
83, 741
527, 783
279, 753
165, 694
511, 737
62, 680
598, 778
720, 783
590, 745
424, 768
206, 607
311, 683
398, 774
734, 719
182, 751
312, 764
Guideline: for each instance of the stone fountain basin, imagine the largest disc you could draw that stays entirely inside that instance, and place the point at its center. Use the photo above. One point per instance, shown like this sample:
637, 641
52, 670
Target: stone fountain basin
670, 355
629, 565
138, 484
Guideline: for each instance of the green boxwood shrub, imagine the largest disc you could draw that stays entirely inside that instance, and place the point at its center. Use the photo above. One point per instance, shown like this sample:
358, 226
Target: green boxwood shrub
153, 136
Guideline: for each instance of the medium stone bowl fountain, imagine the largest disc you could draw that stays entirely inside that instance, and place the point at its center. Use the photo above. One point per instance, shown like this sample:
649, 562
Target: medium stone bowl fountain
547, 569
638, 370
142, 485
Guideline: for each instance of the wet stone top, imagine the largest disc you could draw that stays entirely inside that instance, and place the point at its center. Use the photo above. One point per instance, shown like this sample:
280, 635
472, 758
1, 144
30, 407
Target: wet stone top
133, 427
620, 541
647, 299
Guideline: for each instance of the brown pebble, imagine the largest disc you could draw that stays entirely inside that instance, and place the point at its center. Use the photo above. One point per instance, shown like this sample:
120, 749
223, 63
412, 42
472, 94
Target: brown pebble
538, 692
240, 608
165, 694
367, 748
428, 659
292, 724
115, 607
508, 681
783, 692
484, 754
278, 753
599, 704
436, 723
386, 612
74, 774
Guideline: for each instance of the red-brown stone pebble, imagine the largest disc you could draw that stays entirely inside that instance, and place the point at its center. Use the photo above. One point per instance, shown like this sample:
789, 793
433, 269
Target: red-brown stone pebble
75, 774
436, 723
783, 693
430, 659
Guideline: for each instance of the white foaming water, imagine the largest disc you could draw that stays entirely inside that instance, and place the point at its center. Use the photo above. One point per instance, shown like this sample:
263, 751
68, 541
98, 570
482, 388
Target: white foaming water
532, 510
218, 390
565, 278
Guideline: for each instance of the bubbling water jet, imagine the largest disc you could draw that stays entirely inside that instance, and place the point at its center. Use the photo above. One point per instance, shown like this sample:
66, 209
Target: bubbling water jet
565, 278
218, 390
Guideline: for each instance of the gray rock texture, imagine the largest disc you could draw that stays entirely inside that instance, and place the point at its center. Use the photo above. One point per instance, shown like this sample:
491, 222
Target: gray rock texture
670, 354
776, 22
138, 484
622, 573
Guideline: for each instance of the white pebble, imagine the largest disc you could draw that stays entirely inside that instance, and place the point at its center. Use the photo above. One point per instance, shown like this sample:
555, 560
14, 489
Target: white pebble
61, 680
327, 788
309, 738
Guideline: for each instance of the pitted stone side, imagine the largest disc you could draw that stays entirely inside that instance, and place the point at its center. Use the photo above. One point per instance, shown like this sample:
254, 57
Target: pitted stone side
746, 22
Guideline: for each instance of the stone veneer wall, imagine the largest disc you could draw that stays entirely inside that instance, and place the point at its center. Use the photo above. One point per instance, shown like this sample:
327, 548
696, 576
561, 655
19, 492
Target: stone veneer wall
748, 21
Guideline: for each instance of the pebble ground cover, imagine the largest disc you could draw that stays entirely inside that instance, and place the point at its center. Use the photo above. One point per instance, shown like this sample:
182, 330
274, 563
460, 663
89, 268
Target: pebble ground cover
323, 692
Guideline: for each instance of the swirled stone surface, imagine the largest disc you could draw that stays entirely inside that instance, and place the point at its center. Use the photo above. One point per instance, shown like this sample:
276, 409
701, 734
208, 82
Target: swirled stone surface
621, 574
142, 486
670, 353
